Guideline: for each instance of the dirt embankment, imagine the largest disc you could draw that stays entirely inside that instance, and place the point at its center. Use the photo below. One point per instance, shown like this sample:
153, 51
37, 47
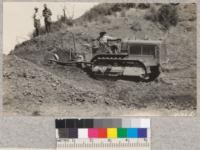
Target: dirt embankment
30, 90
27, 88
33, 88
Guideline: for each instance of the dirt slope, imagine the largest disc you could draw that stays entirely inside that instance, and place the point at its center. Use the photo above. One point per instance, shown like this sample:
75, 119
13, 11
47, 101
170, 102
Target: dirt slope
28, 87
33, 88
30, 90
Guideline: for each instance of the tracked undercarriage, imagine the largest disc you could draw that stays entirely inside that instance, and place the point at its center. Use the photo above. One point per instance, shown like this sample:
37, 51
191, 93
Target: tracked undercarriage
117, 65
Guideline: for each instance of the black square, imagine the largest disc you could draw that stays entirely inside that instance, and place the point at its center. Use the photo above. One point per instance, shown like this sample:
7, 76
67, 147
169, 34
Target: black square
88, 123
60, 123
71, 123
81, 123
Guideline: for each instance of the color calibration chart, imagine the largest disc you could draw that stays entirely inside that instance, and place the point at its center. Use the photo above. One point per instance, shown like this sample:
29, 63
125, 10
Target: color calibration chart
115, 133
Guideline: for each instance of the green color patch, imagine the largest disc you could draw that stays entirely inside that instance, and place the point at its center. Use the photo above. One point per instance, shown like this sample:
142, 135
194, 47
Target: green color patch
121, 133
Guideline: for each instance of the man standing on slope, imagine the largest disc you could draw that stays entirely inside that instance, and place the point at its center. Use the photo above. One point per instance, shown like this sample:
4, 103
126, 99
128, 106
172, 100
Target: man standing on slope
47, 18
36, 19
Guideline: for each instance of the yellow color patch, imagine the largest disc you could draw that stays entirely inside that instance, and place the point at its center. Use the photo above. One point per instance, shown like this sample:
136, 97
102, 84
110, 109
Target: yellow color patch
111, 132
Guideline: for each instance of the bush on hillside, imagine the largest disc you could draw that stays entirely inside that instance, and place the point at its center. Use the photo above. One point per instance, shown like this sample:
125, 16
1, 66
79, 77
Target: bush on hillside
66, 20
143, 5
123, 13
116, 7
136, 27
151, 14
105, 20
121, 6
106, 10
166, 15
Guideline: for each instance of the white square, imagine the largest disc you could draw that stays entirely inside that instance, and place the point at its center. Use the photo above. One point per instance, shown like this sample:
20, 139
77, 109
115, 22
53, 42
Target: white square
145, 123
135, 123
82, 133
57, 135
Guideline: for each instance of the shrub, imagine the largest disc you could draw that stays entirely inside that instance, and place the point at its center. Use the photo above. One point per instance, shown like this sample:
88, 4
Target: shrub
136, 26
143, 5
129, 5
106, 10
66, 20
105, 20
152, 15
36, 113
85, 25
167, 15
117, 7
69, 22
123, 13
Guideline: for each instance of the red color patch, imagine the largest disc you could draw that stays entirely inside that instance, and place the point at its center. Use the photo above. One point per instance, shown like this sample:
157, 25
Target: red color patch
102, 133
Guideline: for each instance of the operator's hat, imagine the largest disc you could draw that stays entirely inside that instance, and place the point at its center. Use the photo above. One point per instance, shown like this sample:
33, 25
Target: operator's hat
36, 8
102, 33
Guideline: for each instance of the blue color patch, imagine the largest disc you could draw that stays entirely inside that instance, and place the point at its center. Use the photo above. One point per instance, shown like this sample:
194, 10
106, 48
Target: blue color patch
142, 133
132, 132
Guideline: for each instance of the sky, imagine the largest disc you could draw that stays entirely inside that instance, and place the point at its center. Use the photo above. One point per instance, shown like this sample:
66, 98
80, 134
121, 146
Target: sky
18, 18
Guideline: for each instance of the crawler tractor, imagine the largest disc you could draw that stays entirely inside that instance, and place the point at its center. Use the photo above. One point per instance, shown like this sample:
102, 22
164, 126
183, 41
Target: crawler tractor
129, 58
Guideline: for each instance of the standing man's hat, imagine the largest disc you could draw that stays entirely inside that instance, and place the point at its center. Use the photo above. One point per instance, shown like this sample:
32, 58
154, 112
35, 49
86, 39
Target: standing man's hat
36, 8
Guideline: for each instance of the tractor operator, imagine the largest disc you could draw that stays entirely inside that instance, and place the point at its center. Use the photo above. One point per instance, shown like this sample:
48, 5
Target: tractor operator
103, 43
